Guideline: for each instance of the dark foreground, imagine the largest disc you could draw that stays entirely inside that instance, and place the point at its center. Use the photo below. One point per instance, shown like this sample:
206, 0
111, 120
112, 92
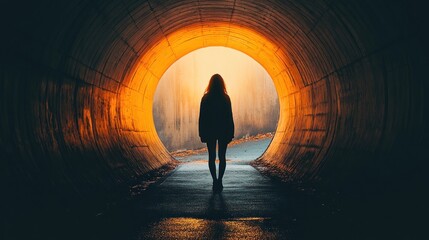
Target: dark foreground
182, 205
251, 206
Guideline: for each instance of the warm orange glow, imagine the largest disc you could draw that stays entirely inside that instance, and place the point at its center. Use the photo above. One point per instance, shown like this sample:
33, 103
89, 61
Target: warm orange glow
229, 63
137, 91
192, 228
156, 61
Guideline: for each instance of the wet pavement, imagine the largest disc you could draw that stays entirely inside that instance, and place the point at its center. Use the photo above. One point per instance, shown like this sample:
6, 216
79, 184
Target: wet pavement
244, 151
251, 205
186, 207
186, 204
182, 205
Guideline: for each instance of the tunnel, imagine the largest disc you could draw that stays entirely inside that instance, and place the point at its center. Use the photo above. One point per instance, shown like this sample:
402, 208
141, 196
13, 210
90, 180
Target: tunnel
78, 79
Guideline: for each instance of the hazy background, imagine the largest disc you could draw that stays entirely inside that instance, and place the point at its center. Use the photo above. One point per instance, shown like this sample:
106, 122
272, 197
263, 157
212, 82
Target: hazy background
177, 98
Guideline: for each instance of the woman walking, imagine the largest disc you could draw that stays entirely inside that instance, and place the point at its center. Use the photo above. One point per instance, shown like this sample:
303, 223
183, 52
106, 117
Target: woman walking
216, 125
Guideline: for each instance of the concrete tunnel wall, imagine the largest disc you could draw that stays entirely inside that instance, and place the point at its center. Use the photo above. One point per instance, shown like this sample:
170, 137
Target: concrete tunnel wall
78, 80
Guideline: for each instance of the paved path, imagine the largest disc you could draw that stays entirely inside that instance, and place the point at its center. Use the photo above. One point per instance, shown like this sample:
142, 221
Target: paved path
246, 151
251, 206
187, 207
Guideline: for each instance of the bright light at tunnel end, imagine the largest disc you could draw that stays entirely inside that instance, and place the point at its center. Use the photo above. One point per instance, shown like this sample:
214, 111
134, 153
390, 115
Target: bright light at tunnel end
176, 103
137, 98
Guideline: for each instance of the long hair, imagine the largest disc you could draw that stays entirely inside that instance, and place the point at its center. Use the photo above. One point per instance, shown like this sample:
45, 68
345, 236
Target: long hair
216, 85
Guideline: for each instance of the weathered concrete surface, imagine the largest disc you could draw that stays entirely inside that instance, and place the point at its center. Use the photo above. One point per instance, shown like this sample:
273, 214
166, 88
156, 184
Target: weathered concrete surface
182, 205
186, 207
251, 206
188, 192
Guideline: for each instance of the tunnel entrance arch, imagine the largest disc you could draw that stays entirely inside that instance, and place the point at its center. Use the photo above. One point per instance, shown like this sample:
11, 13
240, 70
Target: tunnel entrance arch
136, 98
254, 99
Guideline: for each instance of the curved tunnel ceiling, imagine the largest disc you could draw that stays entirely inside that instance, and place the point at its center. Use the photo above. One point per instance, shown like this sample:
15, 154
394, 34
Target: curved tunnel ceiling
80, 77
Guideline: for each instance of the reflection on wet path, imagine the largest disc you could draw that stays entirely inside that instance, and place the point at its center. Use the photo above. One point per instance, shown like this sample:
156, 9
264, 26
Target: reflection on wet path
188, 192
194, 228
185, 207
251, 206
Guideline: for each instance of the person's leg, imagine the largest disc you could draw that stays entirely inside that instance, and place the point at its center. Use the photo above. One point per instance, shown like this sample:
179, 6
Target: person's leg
211, 146
222, 145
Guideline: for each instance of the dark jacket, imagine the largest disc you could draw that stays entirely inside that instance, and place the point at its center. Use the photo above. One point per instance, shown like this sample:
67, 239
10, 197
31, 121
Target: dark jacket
215, 121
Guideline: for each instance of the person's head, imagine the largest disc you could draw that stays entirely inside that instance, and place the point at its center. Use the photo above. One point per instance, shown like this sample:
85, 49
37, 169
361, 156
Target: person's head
216, 85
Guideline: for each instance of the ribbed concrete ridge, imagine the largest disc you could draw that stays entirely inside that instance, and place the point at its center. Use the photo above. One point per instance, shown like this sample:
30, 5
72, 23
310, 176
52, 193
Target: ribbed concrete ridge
78, 78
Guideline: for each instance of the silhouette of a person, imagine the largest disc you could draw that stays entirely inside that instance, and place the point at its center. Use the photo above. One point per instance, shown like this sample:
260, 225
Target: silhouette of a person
216, 124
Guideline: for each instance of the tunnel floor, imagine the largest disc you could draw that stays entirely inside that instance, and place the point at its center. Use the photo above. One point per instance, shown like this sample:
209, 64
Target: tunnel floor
251, 206
188, 208
182, 205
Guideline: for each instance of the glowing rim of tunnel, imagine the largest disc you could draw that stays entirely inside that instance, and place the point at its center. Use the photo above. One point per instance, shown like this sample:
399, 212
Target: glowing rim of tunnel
141, 82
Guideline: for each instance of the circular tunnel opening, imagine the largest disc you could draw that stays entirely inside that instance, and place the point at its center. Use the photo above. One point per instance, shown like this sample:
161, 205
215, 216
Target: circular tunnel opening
319, 104
254, 102
137, 95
